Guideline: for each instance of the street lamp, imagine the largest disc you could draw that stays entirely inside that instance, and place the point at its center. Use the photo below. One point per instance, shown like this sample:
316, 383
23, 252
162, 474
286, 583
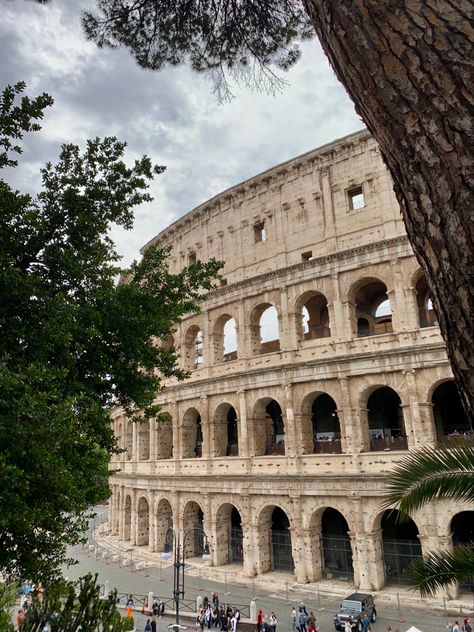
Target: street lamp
179, 552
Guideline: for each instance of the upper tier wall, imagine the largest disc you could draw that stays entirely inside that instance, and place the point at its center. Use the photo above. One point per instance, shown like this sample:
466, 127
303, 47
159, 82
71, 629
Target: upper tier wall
306, 207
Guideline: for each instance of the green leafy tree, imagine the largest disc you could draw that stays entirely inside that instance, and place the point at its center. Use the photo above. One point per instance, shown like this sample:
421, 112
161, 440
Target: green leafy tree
407, 67
73, 341
71, 606
436, 474
8, 598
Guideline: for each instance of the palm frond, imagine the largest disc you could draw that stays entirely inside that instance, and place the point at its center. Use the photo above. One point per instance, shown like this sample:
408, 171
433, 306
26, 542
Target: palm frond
437, 570
441, 472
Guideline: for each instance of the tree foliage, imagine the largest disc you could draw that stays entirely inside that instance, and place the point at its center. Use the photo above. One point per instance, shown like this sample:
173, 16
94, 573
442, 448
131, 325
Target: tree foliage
435, 474
73, 341
240, 39
70, 606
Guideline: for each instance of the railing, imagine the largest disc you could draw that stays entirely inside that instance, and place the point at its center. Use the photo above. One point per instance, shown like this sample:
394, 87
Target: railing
388, 443
325, 447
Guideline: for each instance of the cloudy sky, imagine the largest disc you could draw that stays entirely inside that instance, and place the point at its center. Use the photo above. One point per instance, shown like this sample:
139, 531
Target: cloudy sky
171, 115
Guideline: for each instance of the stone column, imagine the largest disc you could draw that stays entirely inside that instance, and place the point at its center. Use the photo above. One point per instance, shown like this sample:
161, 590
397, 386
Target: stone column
300, 553
249, 543
243, 348
287, 321
292, 445
205, 426
134, 521
153, 434
135, 456
121, 508
368, 560
397, 298
207, 340
338, 316
303, 437
428, 434
243, 425
352, 439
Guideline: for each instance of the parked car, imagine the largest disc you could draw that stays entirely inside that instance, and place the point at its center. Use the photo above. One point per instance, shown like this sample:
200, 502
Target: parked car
360, 607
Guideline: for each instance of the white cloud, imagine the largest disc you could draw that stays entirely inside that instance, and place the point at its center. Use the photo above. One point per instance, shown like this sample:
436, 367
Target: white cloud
171, 115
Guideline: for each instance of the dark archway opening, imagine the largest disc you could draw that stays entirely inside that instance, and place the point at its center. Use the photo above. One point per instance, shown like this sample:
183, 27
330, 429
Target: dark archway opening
450, 419
386, 425
336, 543
401, 545
326, 428
282, 554
373, 311
198, 440
236, 553
426, 313
232, 433
462, 527
274, 429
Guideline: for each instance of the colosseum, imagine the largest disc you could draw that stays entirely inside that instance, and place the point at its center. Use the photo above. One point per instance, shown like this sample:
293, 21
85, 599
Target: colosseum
314, 368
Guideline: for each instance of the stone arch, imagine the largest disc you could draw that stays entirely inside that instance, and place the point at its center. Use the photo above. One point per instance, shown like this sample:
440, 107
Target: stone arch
224, 339
229, 535
336, 547
462, 529
143, 522
225, 441
400, 543
325, 425
193, 529
143, 432
127, 518
312, 316
264, 329
386, 425
371, 311
129, 439
268, 427
425, 308
193, 348
163, 521
191, 434
449, 418
276, 550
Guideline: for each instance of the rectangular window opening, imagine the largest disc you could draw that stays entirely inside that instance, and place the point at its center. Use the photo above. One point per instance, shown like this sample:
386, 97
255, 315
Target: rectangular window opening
307, 256
356, 198
259, 232
191, 257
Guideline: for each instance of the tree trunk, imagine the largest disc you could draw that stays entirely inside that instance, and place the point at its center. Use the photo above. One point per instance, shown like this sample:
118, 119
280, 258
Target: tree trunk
408, 67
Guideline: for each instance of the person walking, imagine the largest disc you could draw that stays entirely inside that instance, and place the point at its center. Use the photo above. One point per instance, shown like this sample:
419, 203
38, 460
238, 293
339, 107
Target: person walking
272, 622
153, 624
148, 626
302, 618
294, 620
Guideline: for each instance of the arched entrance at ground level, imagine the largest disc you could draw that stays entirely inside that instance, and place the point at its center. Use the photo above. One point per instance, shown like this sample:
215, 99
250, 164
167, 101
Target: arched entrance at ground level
449, 416
127, 518
401, 545
193, 530
336, 546
462, 528
143, 522
229, 536
163, 521
386, 424
225, 439
325, 424
275, 541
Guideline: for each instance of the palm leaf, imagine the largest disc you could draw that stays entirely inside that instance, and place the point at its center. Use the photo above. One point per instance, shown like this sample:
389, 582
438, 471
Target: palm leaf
422, 476
438, 570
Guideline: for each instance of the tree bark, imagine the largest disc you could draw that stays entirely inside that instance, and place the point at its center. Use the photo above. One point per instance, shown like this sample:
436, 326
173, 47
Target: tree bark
408, 67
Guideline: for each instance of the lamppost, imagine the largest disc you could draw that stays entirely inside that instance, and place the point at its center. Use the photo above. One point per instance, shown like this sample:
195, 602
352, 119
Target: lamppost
179, 552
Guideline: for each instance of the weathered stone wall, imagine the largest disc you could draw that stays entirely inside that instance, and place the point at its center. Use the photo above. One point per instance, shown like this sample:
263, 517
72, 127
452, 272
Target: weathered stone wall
342, 263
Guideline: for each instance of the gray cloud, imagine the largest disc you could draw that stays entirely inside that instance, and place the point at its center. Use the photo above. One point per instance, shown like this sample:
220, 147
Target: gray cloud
172, 115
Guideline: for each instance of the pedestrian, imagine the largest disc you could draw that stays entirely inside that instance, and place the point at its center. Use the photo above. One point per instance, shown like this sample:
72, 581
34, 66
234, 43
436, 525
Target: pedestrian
20, 617
130, 612
348, 625
467, 625
153, 624
302, 620
235, 620
272, 622
294, 622
154, 607
215, 600
311, 622
200, 619
303, 607
148, 626
259, 620
130, 601
455, 627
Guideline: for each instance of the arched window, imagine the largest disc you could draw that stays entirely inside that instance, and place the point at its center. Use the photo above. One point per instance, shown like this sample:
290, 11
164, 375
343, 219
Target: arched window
336, 546
230, 340
275, 429
264, 329
426, 313
401, 545
450, 419
193, 348
373, 311
314, 316
386, 425
326, 428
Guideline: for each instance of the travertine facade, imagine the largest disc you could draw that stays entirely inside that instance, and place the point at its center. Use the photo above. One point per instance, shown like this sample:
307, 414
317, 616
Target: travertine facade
315, 366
